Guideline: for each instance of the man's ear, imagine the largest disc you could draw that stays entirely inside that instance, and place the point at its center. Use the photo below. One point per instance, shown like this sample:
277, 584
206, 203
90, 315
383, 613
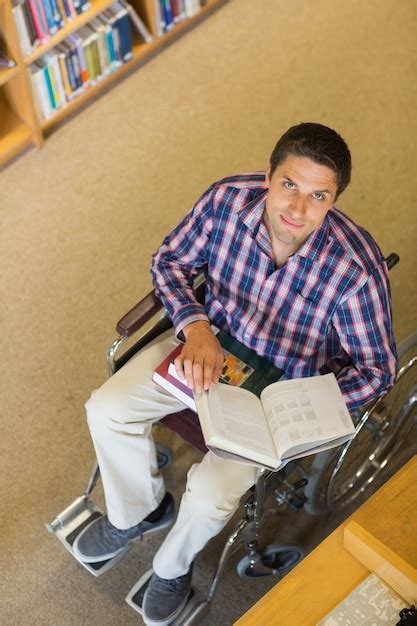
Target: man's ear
268, 177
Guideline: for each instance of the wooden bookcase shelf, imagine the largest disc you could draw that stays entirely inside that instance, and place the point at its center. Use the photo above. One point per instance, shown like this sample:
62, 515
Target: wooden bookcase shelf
20, 125
15, 135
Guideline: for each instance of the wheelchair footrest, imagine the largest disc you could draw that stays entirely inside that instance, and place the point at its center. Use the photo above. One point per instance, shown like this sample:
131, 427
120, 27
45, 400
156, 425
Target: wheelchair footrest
135, 599
68, 525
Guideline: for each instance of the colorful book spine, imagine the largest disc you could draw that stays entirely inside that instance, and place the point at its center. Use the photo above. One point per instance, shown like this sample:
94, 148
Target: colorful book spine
49, 15
34, 40
42, 20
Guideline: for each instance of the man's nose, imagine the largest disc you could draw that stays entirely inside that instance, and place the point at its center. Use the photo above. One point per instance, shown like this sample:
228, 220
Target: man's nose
298, 206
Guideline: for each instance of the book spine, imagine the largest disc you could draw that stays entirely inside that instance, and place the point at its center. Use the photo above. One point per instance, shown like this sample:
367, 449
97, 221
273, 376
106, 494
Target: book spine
49, 87
123, 25
58, 78
76, 67
41, 93
110, 47
42, 20
137, 22
33, 36
54, 83
64, 75
82, 61
70, 86
52, 27
57, 15
65, 8
98, 70
36, 21
22, 31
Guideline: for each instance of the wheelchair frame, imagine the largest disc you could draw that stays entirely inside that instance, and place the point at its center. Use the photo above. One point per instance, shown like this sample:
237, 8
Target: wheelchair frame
151, 320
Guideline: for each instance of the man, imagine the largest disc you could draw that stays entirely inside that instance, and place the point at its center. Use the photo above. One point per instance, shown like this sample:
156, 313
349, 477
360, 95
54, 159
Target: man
289, 276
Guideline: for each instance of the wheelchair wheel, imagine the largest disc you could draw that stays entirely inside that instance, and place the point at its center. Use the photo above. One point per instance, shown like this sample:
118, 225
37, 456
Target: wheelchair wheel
275, 561
338, 476
164, 456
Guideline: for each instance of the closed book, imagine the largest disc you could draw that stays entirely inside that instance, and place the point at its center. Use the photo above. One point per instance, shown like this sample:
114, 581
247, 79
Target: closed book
77, 44
100, 29
34, 39
109, 41
166, 11
52, 61
159, 20
40, 89
62, 58
21, 27
57, 14
48, 83
137, 22
65, 50
40, 9
49, 14
123, 26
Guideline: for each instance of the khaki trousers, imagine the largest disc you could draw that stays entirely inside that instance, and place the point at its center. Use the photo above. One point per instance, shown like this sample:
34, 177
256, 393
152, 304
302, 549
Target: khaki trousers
120, 416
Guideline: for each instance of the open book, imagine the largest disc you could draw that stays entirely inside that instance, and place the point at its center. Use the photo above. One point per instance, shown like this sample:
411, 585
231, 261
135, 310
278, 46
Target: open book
291, 419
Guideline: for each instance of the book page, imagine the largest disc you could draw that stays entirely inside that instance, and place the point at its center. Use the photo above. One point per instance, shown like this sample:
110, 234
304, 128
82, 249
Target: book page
236, 414
371, 603
305, 412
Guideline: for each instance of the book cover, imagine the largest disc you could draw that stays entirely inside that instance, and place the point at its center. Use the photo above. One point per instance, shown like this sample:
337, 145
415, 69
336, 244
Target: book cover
242, 367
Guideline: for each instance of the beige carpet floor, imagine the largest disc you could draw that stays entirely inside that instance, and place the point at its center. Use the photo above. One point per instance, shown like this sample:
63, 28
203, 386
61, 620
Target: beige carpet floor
81, 217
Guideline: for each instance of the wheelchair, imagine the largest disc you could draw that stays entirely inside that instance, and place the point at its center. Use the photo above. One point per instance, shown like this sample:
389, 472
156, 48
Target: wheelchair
328, 481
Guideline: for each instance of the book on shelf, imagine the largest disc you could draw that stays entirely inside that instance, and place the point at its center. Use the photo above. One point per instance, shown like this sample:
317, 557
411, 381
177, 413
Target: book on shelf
92, 52
38, 20
137, 22
168, 13
5, 60
241, 367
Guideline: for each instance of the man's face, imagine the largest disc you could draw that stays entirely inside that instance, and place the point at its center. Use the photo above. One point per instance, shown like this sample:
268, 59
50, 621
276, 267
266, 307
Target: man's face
300, 193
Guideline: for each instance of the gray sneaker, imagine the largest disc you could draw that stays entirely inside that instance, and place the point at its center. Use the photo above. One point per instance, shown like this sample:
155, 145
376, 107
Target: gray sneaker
164, 599
101, 541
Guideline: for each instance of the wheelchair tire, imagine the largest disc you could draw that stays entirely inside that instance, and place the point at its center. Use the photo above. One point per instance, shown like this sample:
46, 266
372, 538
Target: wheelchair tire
339, 476
276, 561
164, 456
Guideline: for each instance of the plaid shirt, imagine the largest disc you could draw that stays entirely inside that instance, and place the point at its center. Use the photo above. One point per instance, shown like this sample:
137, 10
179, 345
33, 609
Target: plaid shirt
330, 300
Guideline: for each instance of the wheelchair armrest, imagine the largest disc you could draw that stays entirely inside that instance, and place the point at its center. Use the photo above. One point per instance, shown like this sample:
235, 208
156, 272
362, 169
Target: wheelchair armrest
141, 313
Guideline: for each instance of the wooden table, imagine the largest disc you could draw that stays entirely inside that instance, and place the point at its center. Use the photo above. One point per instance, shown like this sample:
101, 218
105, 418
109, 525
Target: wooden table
329, 573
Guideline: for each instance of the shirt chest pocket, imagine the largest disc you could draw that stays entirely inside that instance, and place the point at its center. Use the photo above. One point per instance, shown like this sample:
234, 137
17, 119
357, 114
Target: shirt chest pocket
306, 316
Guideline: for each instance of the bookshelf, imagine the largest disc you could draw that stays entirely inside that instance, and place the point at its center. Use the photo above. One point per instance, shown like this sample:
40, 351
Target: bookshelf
21, 126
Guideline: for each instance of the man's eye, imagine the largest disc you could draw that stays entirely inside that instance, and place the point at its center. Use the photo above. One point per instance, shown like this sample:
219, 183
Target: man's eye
289, 185
318, 196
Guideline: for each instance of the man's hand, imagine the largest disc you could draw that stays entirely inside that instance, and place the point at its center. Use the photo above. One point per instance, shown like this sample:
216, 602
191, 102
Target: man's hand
201, 360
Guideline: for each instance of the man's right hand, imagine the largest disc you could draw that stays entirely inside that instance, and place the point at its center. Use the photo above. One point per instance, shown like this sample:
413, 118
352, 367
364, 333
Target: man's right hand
201, 360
